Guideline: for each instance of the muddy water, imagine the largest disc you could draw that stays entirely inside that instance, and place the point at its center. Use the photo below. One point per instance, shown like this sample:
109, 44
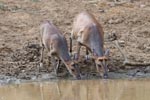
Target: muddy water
78, 90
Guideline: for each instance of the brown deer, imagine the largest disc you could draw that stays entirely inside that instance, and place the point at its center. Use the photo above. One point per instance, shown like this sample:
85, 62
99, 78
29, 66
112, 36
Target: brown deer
54, 41
89, 33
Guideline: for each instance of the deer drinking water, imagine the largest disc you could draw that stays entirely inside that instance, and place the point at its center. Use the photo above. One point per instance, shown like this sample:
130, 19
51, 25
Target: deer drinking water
54, 41
89, 33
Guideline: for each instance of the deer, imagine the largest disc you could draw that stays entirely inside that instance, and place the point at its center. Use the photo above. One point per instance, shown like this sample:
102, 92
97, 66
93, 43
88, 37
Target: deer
88, 32
55, 43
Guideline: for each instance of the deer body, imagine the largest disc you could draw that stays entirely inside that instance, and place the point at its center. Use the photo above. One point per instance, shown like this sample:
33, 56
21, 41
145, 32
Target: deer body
89, 33
54, 41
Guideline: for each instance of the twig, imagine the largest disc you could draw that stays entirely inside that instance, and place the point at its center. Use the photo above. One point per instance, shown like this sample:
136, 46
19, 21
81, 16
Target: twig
136, 64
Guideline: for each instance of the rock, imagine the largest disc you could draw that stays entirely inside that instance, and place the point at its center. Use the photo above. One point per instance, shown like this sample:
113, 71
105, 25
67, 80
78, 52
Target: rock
18, 81
121, 43
113, 75
112, 4
147, 69
139, 74
142, 6
48, 76
110, 21
22, 71
33, 78
111, 36
147, 49
101, 10
115, 21
132, 72
10, 80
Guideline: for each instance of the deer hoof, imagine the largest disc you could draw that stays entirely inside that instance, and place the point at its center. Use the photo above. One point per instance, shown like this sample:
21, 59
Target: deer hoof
75, 56
125, 62
87, 57
105, 76
70, 54
56, 72
41, 65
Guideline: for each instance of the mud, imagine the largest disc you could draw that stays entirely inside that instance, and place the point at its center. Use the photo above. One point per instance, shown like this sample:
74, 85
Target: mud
19, 41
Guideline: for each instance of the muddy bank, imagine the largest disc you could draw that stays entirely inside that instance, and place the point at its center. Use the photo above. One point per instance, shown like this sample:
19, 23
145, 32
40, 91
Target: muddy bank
25, 62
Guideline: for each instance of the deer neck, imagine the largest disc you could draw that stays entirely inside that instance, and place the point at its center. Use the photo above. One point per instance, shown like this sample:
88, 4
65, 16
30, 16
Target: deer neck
96, 43
63, 52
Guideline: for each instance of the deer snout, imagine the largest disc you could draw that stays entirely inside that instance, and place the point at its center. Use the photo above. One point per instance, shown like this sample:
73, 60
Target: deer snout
102, 66
74, 70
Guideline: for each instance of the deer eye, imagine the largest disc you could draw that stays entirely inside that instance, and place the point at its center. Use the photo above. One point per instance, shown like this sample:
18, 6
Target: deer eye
105, 59
100, 59
73, 70
73, 65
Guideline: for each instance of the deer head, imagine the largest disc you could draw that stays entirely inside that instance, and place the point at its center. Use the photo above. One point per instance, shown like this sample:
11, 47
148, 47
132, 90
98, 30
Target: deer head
102, 63
74, 69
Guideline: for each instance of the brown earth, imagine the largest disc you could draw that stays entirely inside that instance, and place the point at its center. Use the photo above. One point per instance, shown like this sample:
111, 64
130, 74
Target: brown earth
19, 31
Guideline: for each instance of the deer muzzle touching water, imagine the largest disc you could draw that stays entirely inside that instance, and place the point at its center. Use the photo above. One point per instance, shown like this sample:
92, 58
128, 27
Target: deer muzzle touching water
89, 33
54, 41
102, 63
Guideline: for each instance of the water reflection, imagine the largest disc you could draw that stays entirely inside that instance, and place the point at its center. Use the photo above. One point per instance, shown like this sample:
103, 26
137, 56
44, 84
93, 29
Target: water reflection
78, 90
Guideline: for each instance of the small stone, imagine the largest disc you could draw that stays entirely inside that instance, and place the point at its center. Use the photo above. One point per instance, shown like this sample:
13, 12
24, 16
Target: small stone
35, 57
147, 69
147, 49
110, 21
142, 5
33, 78
121, 43
139, 74
101, 10
48, 76
23, 62
22, 71
132, 72
112, 4
17, 81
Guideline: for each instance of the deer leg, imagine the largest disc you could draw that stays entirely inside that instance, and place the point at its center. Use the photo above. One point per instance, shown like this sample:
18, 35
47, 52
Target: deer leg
76, 56
87, 54
42, 50
70, 46
54, 64
57, 67
41, 58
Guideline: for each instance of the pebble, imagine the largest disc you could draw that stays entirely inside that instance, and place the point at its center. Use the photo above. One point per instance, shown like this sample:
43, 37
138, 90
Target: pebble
132, 72
101, 10
112, 4
147, 69
33, 78
147, 49
142, 5
121, 43
139, 74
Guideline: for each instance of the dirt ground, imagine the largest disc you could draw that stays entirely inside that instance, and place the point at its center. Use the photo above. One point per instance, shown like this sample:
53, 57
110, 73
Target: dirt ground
19, 31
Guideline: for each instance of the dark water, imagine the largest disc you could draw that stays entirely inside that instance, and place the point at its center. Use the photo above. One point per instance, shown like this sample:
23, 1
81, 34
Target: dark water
78, 90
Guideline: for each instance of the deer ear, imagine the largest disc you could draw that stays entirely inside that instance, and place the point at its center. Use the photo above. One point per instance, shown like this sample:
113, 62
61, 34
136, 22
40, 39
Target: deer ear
79, 34
107, 51
64, 33
53, 53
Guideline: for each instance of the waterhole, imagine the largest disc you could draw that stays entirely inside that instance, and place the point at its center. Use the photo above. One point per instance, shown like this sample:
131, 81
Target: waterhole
78, 90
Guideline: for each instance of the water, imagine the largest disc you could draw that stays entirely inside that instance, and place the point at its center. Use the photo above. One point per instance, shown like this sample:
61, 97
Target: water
78, 90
